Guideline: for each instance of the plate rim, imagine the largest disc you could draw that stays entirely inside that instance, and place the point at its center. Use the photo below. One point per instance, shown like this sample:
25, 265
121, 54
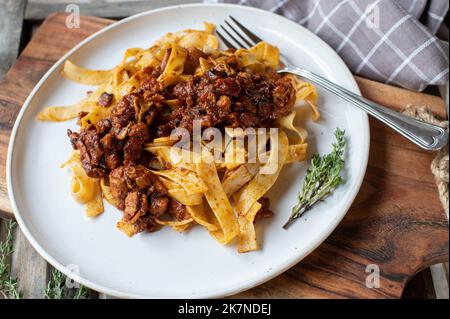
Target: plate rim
212, 294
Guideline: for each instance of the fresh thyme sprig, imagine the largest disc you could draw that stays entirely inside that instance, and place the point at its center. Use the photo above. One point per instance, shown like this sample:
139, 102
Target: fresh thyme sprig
8, 284
57, 289
321, 178
56, 286
81, 293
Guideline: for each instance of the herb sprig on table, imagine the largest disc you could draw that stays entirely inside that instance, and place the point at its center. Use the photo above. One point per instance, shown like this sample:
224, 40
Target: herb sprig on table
57, 288
8, 284
322, 177
9, 288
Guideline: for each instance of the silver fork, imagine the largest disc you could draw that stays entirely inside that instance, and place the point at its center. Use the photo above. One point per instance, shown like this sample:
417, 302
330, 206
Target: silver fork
427, 136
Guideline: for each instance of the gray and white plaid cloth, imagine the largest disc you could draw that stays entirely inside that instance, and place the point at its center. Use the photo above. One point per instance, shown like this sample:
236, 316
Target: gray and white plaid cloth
391, 41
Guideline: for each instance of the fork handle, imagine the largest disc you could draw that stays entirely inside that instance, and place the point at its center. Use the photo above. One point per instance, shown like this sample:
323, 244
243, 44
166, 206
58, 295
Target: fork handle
428, 136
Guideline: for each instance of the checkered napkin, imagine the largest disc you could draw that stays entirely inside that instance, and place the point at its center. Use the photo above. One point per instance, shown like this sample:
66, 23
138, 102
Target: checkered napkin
391, 41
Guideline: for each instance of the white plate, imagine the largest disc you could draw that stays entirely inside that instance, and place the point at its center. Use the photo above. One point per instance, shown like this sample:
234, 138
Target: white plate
168, 264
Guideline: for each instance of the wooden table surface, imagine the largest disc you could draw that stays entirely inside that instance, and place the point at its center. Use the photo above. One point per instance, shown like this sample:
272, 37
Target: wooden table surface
396, 221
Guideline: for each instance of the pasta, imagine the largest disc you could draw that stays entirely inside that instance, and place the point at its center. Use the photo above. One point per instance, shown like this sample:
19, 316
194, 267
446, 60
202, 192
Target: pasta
126, 153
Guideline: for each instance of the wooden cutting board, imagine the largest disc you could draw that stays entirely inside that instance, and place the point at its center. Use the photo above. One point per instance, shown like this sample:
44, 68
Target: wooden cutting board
396, 221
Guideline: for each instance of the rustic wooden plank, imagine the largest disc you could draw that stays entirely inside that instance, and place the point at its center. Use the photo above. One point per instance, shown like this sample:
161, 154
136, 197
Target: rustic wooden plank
34, 61
3, 233
420, 287
29, 267
439, 274
3, 229
38, 9
11, 19
397, 98
396, 221
26, 264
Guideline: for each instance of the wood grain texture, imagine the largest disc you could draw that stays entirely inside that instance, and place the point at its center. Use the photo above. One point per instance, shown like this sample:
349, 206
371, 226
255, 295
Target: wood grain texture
39, 10
396, 221
49, 43
24, 262
3, 234
420, 287
30, 267
397, 98
439, 275
11, 19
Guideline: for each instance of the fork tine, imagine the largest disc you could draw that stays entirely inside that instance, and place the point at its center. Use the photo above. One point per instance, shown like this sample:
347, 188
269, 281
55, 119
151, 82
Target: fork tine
240, 44
247, 32
227, 43
239, 35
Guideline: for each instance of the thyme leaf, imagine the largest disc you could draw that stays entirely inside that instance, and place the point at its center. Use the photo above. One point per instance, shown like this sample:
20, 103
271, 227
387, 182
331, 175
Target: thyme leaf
322, 177
8, 284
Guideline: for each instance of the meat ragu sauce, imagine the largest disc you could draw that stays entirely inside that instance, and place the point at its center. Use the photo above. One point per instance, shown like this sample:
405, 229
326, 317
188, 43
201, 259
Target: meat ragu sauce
223, 97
